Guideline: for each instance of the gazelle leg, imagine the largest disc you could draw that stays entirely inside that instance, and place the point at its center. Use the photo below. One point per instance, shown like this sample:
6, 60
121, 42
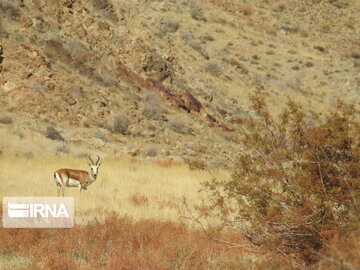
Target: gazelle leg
63, 191
80, 188
58, 190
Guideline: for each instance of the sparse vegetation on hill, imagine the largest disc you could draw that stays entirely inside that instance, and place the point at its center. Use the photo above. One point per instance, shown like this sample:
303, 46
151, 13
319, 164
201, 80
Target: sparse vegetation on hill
82, 63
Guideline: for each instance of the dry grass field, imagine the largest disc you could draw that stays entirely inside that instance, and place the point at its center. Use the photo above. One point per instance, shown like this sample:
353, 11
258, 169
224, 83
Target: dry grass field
128, 219
129, 187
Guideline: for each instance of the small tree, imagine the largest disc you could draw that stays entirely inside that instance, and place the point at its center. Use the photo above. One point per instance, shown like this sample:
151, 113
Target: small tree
296, 182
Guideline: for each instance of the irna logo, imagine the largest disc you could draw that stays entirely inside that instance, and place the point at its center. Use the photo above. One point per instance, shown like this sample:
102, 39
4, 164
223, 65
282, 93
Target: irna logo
24, 210
38, 212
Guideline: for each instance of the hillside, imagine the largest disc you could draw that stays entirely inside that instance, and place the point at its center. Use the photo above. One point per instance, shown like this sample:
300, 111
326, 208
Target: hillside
166, 79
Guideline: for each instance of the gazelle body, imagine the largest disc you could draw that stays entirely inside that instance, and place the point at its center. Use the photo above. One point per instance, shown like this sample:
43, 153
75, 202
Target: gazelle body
76, 178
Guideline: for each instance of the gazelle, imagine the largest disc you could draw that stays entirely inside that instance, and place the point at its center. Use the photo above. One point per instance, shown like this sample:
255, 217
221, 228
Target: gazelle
76, 178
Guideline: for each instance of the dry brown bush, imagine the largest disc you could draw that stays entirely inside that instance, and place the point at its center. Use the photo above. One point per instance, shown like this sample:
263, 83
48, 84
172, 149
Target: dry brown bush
296, 184
341, 253
119, 243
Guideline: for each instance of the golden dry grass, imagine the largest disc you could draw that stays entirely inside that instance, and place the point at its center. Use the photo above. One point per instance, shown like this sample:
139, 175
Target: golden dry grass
148, 193
119, 182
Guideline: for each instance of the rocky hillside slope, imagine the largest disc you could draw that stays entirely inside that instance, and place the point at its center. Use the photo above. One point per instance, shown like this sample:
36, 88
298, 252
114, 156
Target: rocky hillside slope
167, 79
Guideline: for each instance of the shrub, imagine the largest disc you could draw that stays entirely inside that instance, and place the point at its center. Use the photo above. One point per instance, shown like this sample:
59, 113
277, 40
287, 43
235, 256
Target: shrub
341, 253
5, 119
194, 43
247, 10
16, 4
296, 182
355, 54
168, 26
86, 124
152, 107
151, 151
119, 123
196, 164
107, 77
62, 148
55, 50
53, 134
196, 10
77, 51
280, 6
81, 154
100, 135
215, 68
10, 9
106, 9
294, 81
177, 126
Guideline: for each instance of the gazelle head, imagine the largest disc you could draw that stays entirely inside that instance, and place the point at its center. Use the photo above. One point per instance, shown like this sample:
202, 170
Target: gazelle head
94, 167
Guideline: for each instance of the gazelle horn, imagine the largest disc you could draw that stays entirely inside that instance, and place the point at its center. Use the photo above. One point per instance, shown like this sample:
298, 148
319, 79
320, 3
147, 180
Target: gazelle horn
92, 162
97, 160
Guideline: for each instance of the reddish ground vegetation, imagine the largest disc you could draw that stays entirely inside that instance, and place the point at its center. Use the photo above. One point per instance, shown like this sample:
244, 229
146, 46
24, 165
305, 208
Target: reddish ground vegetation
139, 200
167, 163
119, 243
341, 253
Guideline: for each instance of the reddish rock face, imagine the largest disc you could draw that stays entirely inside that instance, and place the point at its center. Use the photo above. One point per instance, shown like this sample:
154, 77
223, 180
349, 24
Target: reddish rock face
190, 101
184, 100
